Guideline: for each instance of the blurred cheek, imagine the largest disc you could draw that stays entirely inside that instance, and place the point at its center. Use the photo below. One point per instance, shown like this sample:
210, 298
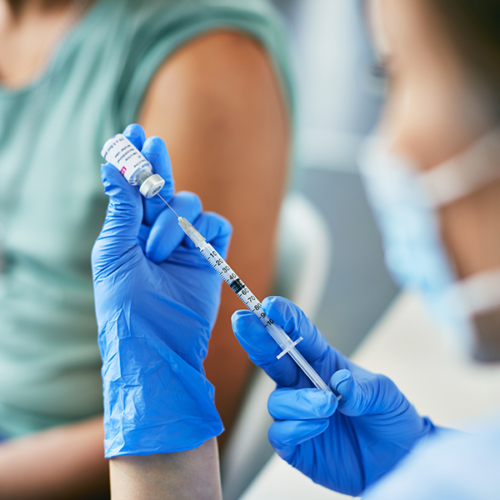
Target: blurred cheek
423, 119
471, 231
428, 121
432, 114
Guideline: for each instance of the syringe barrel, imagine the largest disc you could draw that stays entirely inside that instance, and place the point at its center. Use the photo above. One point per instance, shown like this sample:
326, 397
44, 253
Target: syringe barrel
192, 233
279, 336
252, 303
123, 155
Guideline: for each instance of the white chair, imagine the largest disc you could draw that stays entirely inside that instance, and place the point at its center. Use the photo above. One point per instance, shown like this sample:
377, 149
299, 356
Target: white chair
304, 256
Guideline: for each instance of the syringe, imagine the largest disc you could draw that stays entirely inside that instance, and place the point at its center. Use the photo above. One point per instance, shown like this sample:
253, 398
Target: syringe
114, 149
287, 345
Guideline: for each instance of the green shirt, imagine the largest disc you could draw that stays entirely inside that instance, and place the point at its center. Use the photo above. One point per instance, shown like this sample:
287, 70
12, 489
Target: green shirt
52, 203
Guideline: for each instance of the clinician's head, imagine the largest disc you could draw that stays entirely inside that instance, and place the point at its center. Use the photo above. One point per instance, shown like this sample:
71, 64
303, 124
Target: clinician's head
442, 59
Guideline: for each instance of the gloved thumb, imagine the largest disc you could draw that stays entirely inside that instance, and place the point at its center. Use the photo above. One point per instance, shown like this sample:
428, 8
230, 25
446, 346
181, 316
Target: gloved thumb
123, 219
285, 435
357, 395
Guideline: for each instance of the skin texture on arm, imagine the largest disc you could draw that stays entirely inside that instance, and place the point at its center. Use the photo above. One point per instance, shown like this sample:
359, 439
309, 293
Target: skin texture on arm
65, 462
218, 107
180, 476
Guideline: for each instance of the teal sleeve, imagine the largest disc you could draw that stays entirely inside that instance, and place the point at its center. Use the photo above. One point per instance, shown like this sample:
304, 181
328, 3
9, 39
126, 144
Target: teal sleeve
160, 31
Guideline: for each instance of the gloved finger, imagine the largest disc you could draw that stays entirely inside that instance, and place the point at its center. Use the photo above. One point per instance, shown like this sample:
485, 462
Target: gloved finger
135, 134
361, 396
143, 236
166, 234
216, 229
301, 404
285, 435
296, 324
262, 349
155, 151
123, 218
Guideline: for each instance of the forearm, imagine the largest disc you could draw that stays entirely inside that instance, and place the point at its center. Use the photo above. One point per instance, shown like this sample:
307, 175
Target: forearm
183, 475
65, 462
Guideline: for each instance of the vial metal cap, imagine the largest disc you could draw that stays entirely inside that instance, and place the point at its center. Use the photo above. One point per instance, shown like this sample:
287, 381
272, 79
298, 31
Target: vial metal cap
151, 186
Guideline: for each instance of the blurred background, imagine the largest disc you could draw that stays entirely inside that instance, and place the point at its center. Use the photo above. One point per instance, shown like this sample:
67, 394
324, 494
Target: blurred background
339, 96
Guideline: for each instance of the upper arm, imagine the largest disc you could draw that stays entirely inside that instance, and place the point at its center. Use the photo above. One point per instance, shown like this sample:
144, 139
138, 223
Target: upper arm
219, 108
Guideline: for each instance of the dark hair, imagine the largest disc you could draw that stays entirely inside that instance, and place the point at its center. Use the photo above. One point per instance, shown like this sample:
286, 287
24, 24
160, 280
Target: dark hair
17, 5
474, 26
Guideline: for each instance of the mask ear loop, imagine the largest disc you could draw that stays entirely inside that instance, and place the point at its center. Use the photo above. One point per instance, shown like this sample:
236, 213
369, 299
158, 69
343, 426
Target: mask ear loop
466, 173
456, 178
478, 294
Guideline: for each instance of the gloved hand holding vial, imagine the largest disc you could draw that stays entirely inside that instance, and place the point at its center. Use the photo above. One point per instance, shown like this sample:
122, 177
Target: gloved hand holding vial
153, 328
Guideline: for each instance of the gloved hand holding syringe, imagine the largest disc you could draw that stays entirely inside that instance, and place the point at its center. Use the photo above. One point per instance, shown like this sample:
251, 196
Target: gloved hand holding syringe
122, 154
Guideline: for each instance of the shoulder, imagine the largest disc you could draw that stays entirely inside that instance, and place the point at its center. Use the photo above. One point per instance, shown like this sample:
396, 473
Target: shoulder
219, 47
221, 75
217, 61
458, 465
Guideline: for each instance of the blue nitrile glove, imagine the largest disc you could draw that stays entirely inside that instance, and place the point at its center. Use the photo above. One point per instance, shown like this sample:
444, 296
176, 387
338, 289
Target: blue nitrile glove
344, 445
156, 303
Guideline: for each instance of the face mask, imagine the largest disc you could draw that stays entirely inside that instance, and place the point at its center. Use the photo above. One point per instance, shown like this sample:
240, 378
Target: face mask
405, 203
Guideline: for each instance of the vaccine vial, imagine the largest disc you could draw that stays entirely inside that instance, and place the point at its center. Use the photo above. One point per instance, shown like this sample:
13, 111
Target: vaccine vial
123, 155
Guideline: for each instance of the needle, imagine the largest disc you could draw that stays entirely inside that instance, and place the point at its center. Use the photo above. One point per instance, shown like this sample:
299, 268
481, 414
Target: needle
168, 206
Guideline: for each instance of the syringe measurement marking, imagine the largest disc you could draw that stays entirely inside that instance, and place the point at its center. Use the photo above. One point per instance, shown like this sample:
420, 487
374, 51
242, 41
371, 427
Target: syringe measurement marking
284, 341
231, 278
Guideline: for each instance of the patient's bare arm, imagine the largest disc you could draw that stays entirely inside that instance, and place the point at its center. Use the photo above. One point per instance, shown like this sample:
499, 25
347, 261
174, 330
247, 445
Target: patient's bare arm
218, 106
173, 476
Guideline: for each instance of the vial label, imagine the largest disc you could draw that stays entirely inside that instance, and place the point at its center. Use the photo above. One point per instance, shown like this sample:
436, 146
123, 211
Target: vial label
122, 154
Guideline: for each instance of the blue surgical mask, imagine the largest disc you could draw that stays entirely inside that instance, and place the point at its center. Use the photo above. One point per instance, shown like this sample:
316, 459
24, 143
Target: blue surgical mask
405, 203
